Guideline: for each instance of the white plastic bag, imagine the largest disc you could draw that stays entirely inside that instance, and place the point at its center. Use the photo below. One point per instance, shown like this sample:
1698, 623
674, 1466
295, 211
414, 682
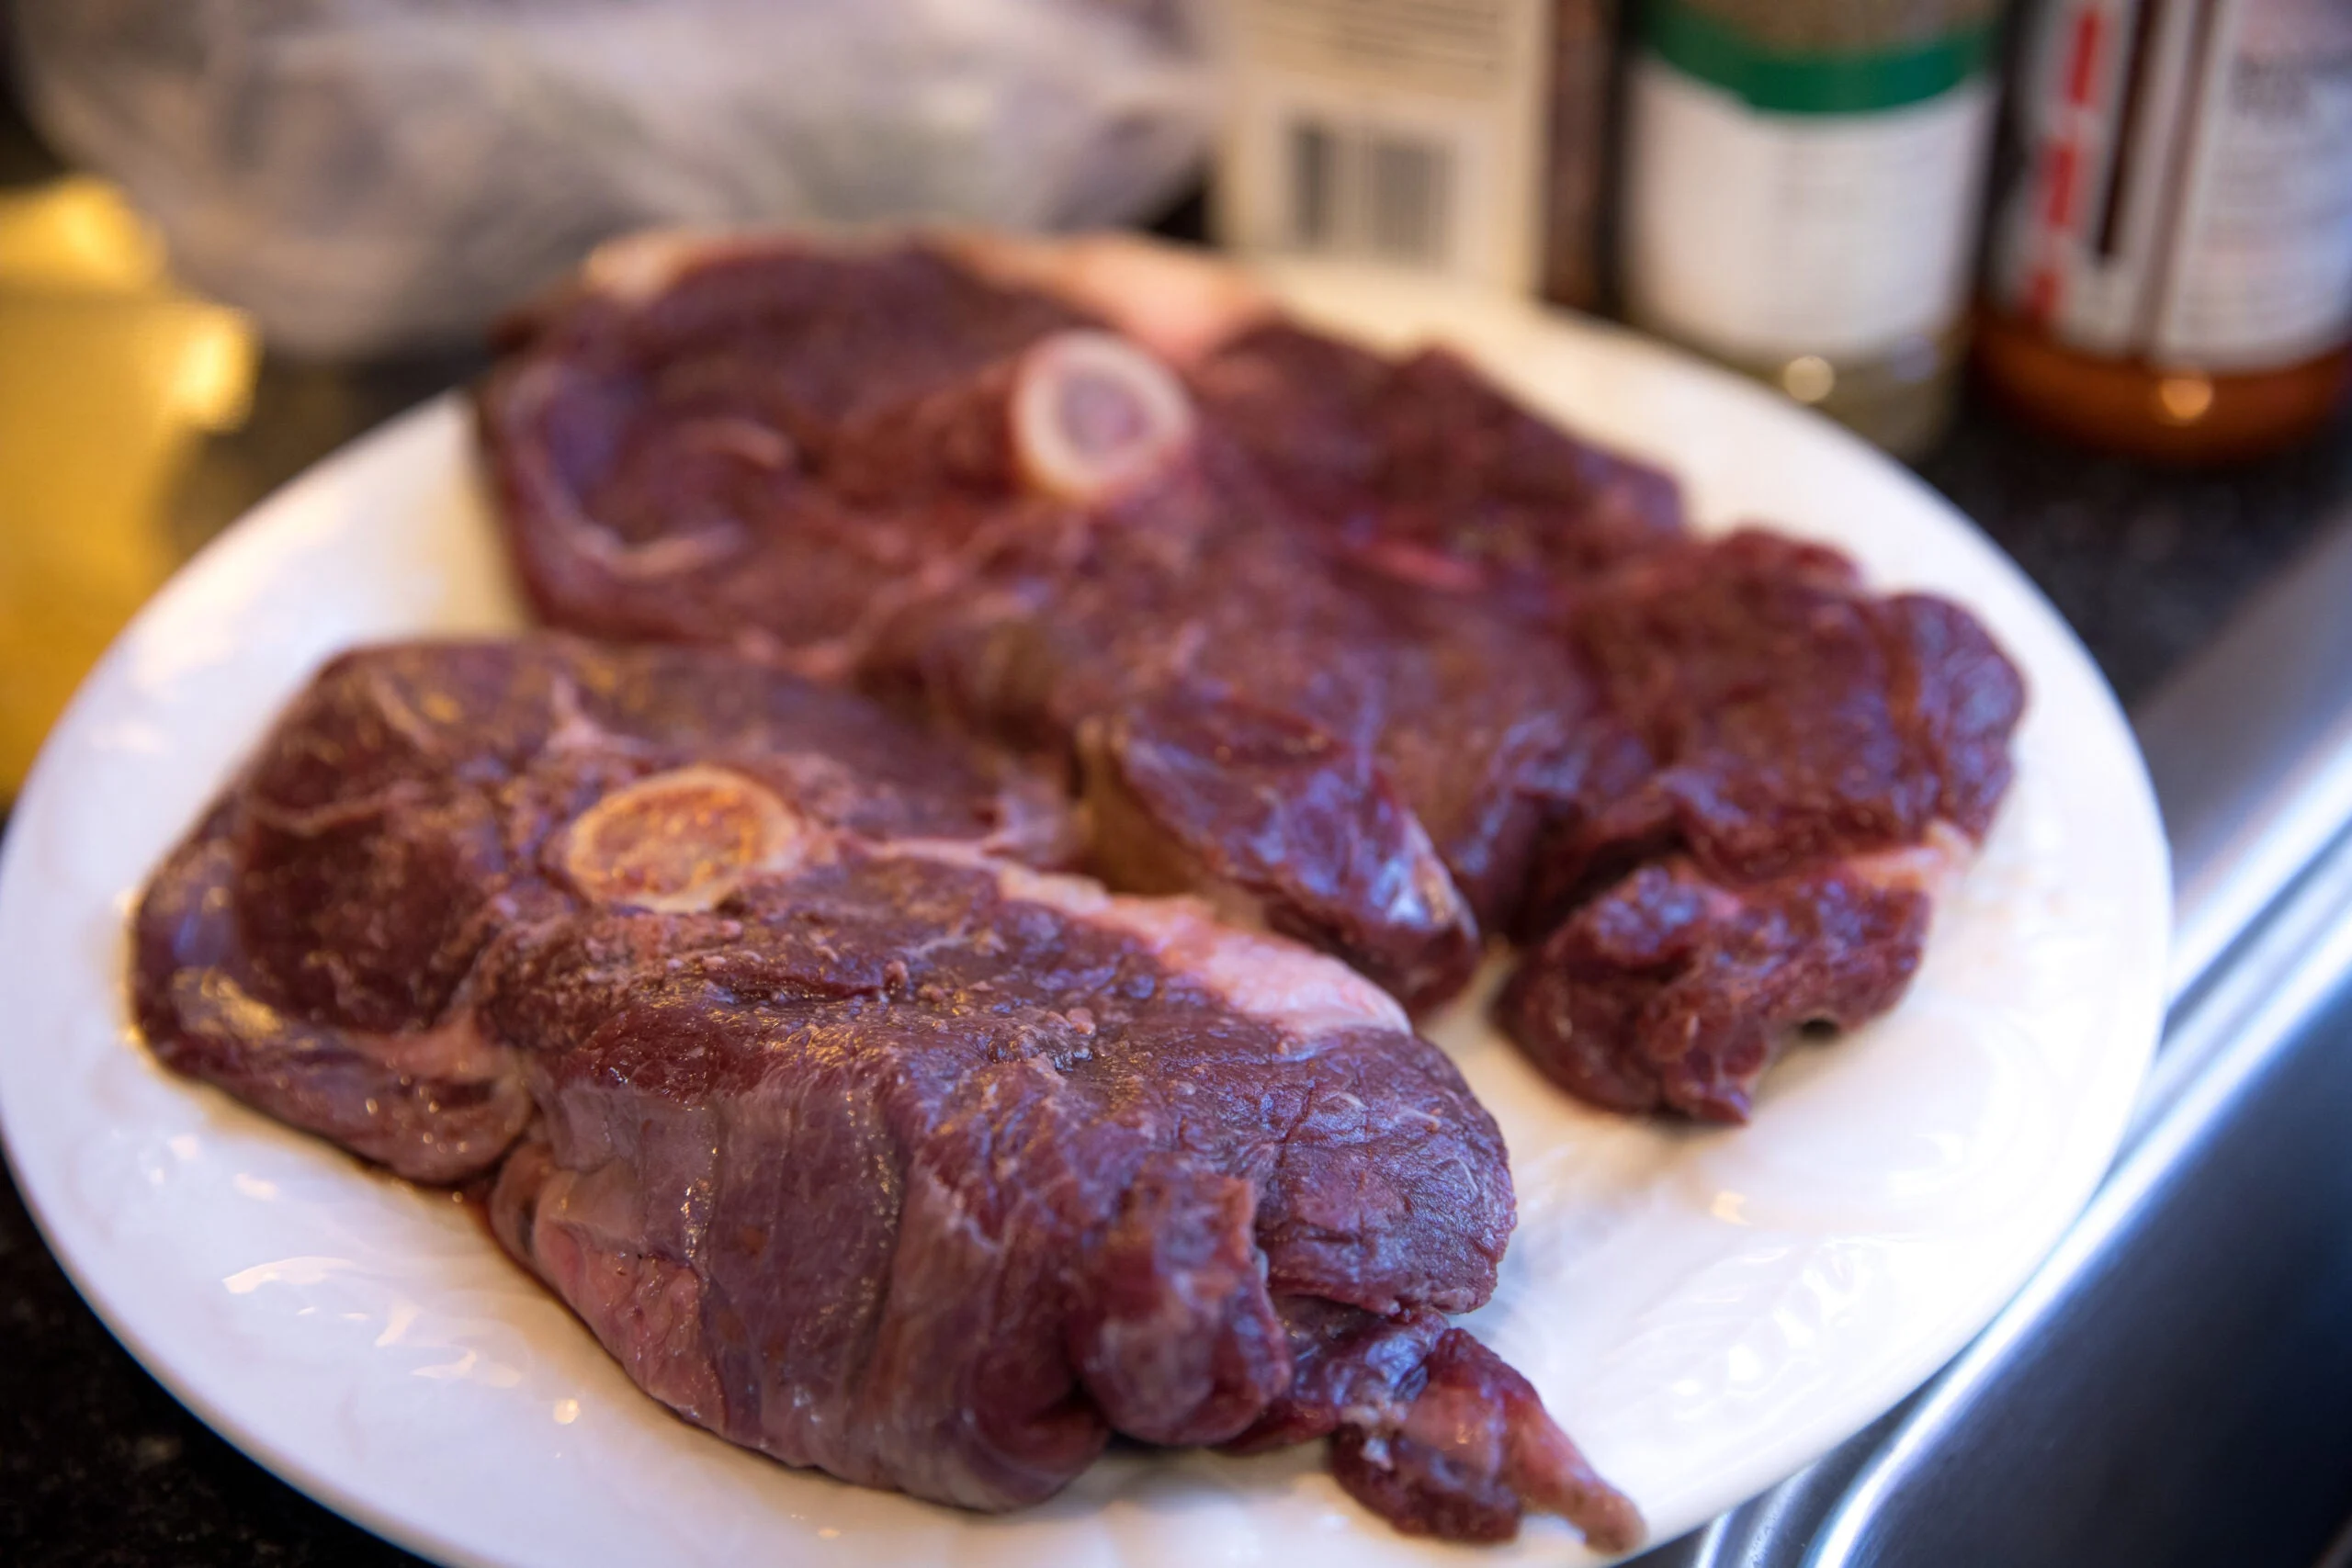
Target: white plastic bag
370, 175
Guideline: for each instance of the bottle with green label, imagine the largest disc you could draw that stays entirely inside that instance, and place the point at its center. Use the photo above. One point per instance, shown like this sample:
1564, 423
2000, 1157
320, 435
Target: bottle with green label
1802, 194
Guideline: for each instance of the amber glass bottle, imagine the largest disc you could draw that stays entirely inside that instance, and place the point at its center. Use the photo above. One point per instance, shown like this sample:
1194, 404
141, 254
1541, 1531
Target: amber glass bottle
2171, 270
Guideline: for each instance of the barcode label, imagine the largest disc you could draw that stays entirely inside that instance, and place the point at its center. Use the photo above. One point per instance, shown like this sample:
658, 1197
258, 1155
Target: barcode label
1371, 191
1408, 134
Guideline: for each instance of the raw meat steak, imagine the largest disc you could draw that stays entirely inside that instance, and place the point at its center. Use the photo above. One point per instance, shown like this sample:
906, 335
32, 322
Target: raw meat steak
1055, 552
853, 1137
1109, 1154
1814, 762
1360, 649
322, 944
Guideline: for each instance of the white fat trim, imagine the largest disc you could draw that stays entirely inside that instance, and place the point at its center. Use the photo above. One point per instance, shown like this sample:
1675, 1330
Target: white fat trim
1271, 978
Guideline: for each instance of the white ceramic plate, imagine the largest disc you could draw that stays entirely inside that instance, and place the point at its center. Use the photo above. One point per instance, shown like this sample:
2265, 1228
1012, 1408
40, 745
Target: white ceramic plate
1705, 1310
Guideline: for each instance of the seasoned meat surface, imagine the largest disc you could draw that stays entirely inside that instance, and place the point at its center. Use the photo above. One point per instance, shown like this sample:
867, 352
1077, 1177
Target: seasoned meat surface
1671, 991
322, 944
993, 1165
855, 1132
673, 428
1422, 469
1065, 550
1789, 715
1804, 766
1359, 648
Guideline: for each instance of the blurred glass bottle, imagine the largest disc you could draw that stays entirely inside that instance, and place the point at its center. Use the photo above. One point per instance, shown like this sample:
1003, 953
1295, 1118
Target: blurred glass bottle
1801, 192
1463, 139
2172, 269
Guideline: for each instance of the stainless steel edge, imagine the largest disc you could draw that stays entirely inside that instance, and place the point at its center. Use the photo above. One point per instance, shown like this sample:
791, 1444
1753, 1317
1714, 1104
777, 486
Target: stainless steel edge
1756, 1532
2250, 748
2339, 1552
2250, 1029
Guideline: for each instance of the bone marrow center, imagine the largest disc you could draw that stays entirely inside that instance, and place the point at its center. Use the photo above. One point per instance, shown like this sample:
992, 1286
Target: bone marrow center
1094, 415
681, 840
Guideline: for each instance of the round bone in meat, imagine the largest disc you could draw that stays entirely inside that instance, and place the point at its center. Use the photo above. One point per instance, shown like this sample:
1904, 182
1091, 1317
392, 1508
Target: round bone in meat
680, 841
1093, 415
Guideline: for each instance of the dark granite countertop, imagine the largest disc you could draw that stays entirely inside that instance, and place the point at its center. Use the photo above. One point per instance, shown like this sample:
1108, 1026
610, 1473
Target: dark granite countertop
100, 1467
2145, 562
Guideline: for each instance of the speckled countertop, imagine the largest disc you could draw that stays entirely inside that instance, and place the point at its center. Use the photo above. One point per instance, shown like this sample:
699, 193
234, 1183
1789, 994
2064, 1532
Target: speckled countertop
100, 1467
2145, 562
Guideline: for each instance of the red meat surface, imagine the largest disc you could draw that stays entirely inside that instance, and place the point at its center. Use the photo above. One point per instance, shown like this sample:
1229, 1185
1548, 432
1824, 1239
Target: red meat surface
853, 1134
1359, 648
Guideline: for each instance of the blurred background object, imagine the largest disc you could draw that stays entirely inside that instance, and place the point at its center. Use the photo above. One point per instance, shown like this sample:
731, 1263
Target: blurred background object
1791, 185
1802, 191
366, 175
2172, 272
1467, 141
109, 376
365, 183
